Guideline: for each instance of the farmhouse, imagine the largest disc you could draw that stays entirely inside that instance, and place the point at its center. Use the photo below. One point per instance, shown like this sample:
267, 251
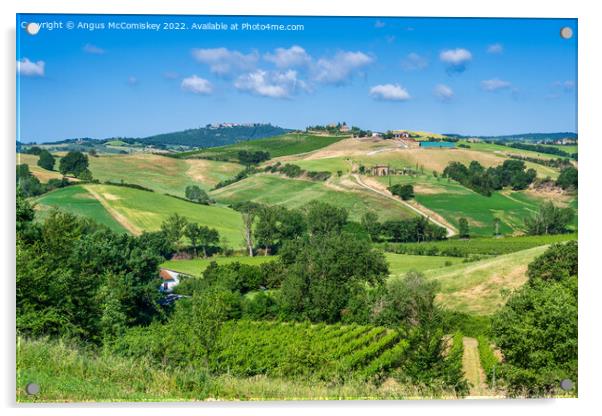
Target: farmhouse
169, 280
401, 134
379, 170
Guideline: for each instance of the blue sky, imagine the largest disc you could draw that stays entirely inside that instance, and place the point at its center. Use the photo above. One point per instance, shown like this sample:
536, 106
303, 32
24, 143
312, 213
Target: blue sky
468, 76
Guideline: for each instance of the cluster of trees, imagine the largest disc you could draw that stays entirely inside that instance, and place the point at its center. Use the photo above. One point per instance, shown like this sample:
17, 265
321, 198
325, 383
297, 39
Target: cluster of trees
402, 231
78, 279
549, 219
537, 328
250, 158
405, 192
568, 178
540, 148
76, 164
196, 194
28, 185
295, 171
511, 173
558, 163
176, 227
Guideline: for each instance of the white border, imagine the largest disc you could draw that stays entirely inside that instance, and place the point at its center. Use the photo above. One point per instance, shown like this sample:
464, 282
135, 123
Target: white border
590, 133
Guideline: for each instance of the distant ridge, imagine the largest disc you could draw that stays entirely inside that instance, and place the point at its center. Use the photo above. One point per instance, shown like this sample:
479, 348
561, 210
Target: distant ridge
521, 137
216, 135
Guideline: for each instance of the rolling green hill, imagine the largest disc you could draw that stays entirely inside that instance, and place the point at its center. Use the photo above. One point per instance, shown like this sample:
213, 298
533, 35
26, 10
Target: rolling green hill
287, 144
77, 200
160, 173
294, 193
482, 287
138, 211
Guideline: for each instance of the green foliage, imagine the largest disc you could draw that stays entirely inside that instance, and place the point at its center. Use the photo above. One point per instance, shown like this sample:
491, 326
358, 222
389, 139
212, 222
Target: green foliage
248, 158
322, 272
201, 236
46, 160
74, 276
173, 227
371, 225
549, 220
558, 263
489, 362
323, 218
414, 230
75, 163
463, 230
196, 194
568, 178
537, 329
405, 192
476, 246
28, 184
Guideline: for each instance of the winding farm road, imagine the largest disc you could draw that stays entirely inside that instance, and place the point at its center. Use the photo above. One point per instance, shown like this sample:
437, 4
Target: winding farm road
450, 231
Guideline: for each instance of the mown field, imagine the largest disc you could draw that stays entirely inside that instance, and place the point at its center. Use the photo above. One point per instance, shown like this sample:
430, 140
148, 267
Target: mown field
294, 193
42, 174
139, 211
287, 144
160, 173
453, 201
76, 200
482, 287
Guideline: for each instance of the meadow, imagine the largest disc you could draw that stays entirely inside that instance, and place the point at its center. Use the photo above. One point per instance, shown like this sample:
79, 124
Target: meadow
482, 287
453, 201
76, 200
137, 210
294, 193
42, 174
196, 267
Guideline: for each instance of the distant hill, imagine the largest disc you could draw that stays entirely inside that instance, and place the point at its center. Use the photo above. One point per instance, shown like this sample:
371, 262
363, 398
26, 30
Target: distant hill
526, 137
212, 136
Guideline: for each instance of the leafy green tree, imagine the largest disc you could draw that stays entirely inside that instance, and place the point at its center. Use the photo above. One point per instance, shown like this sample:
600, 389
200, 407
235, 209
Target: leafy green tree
27, 184
46, 160
568, 178
405, 192
198, 322
173, 227
24, 212
549, 220
248, 211
194, 193
558, 263
463, 228
267, 228
193, 232
323, 218
75, 163
371, 224
496, 226
322, 271
207, 237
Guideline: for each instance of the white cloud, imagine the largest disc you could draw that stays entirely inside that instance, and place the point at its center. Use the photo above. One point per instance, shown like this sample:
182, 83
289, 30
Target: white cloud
379, 24
93, 49
196, 85
414, 62
495, 84
30, 69
495, 48
223, 61
389, 92
443, 92
339, 69
456, 59
273, 84
288, 58
567, 85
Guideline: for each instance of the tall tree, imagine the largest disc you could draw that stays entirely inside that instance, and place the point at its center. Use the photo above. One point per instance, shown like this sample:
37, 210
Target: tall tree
173, 227
193, 232
46, 160
463, 228
207, 237
75, 163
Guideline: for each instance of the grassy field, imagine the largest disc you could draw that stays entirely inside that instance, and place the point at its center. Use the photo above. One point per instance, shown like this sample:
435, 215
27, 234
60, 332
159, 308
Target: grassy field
287, 144
163, 174
139, 211
482, 287
488, 246
69, 374
196, 267
453, 201
76, 200
294, 193
400, 264
42, 174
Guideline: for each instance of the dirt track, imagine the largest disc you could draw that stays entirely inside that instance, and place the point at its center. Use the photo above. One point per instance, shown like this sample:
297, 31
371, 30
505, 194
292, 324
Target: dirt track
416, 208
